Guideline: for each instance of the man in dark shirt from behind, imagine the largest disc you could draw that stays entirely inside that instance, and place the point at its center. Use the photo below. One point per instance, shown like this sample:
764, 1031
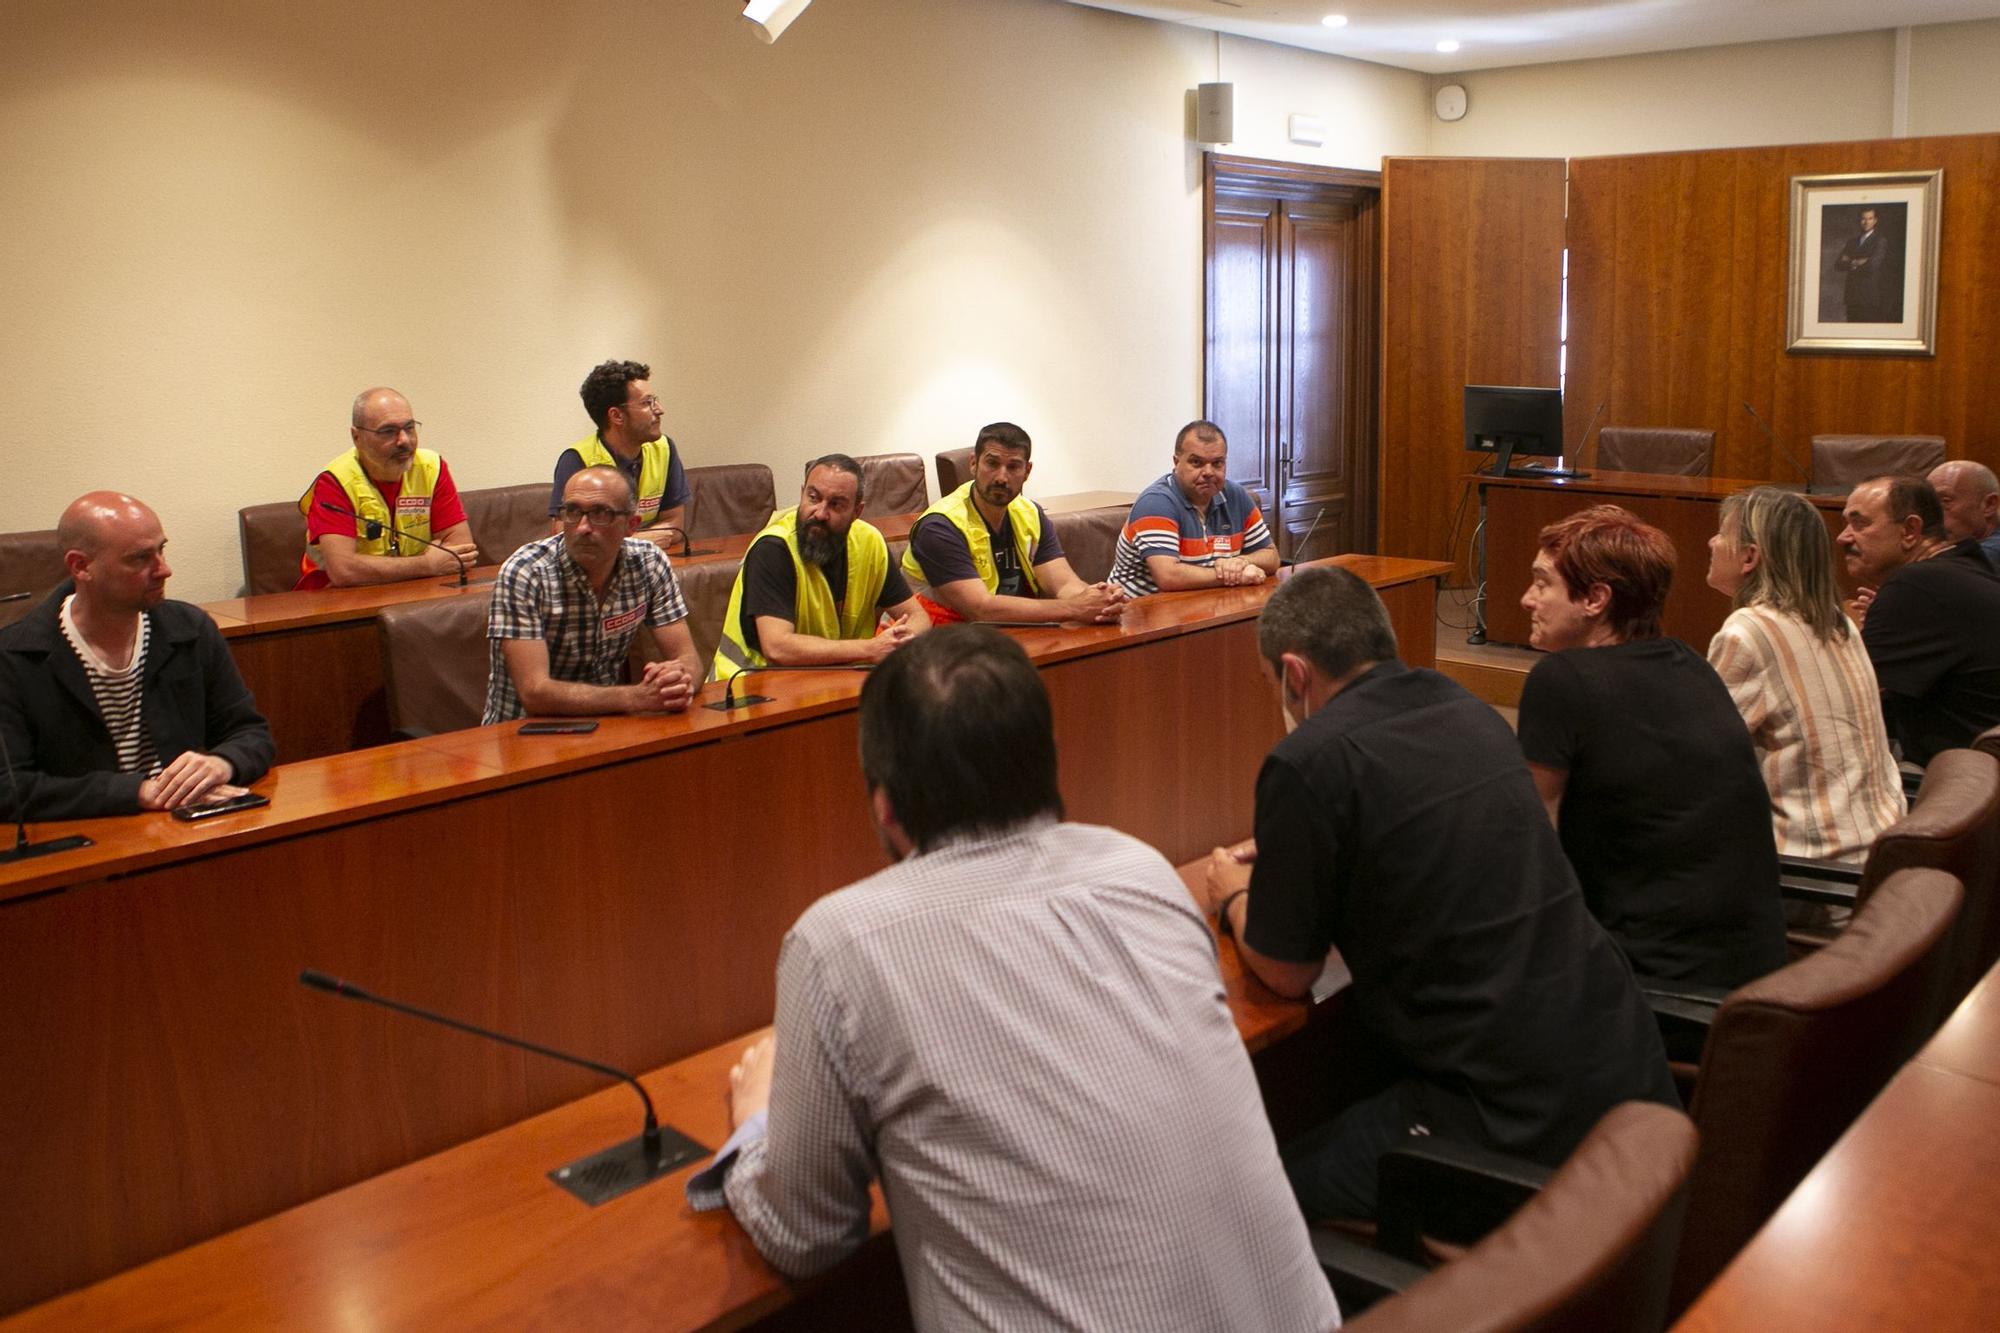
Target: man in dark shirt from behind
1397, 824
1930, 612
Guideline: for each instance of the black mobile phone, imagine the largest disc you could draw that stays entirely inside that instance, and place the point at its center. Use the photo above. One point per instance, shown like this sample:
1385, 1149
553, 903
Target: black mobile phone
556, 728
187, 814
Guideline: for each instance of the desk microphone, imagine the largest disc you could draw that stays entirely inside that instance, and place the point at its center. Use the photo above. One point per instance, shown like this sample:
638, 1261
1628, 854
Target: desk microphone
372, 529
729, 699
1804, 472
24, 850
15, 597
596, 1179
1584, 443
687, 542
1306, 540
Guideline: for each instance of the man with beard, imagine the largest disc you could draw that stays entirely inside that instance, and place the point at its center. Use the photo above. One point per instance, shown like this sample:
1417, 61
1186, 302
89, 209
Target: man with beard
816, 583
566, 608
986, 552
1194, 528
380, 511
114, 699
618, 395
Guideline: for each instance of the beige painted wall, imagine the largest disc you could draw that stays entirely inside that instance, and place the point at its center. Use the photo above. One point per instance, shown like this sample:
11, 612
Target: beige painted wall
1955, 78
223, 217
1805, 91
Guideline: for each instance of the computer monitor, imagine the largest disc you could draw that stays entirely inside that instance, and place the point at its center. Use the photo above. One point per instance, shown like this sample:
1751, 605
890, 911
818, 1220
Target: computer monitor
1514, 422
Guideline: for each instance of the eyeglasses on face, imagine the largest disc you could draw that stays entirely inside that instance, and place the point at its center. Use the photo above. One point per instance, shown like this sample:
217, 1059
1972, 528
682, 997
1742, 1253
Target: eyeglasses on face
599, 515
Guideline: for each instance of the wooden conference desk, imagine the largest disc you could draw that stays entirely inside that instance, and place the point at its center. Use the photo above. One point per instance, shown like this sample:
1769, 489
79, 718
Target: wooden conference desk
314, 659
1898, 1225
621, 894
477, 1236
1516, 509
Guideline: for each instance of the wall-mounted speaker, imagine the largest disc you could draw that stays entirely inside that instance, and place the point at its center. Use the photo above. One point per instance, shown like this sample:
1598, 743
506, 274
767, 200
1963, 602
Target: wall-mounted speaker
1215, 113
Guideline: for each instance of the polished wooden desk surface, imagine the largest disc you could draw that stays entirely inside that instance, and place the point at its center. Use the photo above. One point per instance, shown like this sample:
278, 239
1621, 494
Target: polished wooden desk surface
1687, 509
623, 893
477, 1236
364, 784
1898, 1225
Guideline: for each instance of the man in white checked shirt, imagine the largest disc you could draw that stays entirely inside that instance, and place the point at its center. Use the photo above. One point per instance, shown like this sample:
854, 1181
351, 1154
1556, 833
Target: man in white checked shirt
1020, 1030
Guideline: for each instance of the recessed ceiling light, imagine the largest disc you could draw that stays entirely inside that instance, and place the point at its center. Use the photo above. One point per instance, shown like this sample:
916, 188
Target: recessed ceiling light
1447, 46
1335, 20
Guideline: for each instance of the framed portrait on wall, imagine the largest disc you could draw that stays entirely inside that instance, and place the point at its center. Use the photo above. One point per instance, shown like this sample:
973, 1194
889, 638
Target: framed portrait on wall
1864, 263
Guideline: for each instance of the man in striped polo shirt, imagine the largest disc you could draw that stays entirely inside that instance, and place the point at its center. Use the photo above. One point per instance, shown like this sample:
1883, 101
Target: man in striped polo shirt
1194, 528
114, 699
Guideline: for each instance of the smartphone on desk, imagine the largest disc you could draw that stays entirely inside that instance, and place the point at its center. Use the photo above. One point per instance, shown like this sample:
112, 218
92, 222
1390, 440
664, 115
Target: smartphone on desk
556, 728
249, 800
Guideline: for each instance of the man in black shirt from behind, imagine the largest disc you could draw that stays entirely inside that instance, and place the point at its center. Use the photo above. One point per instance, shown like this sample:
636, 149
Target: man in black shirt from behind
1930, 616
1397, 824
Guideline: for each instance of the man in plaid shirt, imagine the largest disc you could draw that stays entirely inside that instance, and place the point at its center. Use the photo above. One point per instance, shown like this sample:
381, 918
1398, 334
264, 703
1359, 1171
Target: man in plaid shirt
566, 608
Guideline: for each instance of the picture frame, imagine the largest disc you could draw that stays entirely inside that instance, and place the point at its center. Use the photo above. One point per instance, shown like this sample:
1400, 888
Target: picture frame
1864, 263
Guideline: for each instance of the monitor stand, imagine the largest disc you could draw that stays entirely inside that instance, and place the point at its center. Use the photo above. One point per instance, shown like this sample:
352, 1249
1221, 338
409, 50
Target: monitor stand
1504, 466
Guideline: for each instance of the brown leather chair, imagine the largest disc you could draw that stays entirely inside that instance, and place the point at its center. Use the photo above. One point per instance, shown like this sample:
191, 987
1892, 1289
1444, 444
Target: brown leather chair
273, 538
506, 518
893, 484
1662, 451
1593, 1249
706, 588
954, 469
1792, 1058
434, 662
30, 562
1953, 826
1840, 462
729, 498
1089, 539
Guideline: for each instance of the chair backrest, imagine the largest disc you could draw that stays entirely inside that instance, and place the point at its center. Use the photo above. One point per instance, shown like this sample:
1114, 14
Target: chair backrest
1793, 1057
30, 562
893, 484
954, 469
506, 518
273, 538
434, 662
729, 498
1664, 451
1988, 742
1848, 460
1953, 826
1089, 539
1593, 1250
706, 588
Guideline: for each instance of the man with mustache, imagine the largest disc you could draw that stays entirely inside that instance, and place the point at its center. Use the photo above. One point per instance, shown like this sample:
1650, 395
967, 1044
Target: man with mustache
1194, 528
816, 583
405, 498
566, 609
113, 699
986, 552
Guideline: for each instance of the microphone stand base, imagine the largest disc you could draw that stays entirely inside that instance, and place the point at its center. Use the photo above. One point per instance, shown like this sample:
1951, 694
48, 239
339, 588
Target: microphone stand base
603, 1176
742, 701
30, 851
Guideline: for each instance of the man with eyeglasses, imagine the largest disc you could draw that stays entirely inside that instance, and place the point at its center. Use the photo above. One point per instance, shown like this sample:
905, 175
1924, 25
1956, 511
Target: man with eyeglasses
566, 608
386, 510
619, 397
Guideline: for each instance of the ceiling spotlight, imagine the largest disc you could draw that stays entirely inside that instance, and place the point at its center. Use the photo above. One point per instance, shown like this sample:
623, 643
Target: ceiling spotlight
1335, 20
772, 17
1447, 46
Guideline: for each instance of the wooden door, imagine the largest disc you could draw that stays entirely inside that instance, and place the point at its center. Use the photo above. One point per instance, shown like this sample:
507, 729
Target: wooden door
1292, 314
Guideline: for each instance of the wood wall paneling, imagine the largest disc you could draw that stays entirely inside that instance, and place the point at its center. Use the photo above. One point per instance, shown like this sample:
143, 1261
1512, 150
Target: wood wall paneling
1472, 294
1678, 286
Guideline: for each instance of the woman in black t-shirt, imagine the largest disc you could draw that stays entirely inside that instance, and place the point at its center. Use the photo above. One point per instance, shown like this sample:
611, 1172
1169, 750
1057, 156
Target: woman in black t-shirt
1644, 762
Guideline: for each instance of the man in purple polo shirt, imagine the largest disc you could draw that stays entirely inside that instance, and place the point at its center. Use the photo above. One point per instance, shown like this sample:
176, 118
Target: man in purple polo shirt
1194, 528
